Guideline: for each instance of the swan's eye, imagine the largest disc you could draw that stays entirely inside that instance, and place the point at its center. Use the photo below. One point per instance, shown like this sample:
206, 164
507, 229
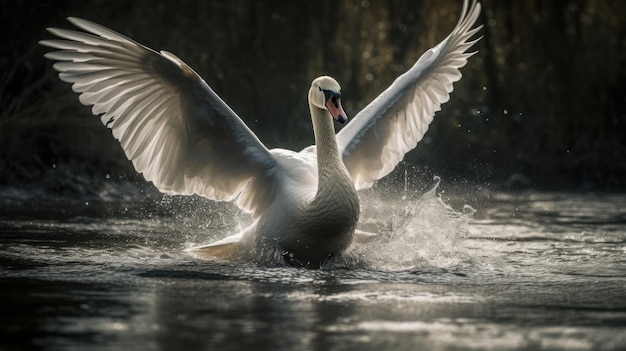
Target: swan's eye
334, 100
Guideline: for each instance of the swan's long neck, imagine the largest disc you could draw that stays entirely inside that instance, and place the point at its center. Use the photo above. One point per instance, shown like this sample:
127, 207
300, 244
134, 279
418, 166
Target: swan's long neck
334, 211
330, 168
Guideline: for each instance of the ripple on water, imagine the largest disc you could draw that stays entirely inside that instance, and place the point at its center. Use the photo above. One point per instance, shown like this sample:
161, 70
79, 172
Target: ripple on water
526, 271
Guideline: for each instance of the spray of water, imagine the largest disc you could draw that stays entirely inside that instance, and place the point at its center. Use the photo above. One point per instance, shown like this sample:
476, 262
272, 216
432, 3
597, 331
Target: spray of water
419, 233
399, 232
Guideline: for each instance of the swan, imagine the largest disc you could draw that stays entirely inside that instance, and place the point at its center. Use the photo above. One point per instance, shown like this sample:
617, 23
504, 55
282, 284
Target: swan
185, 140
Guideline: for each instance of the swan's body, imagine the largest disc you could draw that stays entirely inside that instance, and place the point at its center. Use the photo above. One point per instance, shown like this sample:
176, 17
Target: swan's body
186, 140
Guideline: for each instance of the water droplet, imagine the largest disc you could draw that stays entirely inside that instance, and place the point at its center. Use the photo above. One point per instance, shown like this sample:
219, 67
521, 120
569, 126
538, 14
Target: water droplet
86, 203
484, 88
506, 112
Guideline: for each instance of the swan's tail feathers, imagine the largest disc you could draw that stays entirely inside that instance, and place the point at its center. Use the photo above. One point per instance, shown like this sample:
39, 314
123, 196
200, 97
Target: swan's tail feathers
222, 252
227, 249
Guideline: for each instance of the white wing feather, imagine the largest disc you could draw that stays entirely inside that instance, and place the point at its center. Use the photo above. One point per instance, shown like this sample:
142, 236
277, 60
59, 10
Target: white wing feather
170, 123
186, 140
385, 130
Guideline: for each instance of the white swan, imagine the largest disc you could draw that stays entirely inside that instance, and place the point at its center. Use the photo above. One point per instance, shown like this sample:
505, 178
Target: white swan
186, 140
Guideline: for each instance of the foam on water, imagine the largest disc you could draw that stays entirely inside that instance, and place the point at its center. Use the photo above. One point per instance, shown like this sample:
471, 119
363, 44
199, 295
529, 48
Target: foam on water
420, 233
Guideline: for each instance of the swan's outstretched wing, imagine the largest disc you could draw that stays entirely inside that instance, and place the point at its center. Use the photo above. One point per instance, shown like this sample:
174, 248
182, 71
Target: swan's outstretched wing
391, 125
170, 123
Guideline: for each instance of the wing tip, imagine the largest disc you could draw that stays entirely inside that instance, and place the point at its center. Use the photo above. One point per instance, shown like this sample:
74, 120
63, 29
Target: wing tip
80, 22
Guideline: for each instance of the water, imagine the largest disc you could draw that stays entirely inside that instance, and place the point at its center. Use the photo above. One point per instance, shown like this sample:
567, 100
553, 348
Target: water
525, 271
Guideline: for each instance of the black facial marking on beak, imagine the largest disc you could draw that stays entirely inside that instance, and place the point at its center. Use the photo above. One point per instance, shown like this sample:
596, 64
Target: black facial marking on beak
330, 94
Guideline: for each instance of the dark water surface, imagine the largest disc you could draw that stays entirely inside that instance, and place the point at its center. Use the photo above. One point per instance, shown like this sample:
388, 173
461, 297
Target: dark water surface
528, 271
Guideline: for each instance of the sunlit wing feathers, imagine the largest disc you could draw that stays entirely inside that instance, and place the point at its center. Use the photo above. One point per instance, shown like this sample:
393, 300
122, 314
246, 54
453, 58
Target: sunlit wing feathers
170, 123
385, 130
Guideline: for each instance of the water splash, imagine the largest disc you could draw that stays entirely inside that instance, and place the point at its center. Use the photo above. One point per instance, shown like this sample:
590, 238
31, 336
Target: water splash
412, 234
403, 231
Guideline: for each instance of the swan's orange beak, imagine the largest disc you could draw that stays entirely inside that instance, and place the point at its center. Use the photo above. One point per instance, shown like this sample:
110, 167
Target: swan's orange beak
333, 105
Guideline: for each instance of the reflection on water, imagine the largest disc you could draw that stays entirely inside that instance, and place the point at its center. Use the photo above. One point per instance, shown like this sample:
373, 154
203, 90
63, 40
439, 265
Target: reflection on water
524, 272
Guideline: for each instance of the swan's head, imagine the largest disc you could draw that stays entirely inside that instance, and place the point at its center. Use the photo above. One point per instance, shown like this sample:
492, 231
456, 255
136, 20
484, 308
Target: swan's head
325, 93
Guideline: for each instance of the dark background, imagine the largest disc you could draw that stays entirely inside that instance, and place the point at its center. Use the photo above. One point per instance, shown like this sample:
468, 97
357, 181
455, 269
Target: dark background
541, 105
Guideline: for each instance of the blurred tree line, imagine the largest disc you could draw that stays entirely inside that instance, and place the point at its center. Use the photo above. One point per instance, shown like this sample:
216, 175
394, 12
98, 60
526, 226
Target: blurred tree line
542, 102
